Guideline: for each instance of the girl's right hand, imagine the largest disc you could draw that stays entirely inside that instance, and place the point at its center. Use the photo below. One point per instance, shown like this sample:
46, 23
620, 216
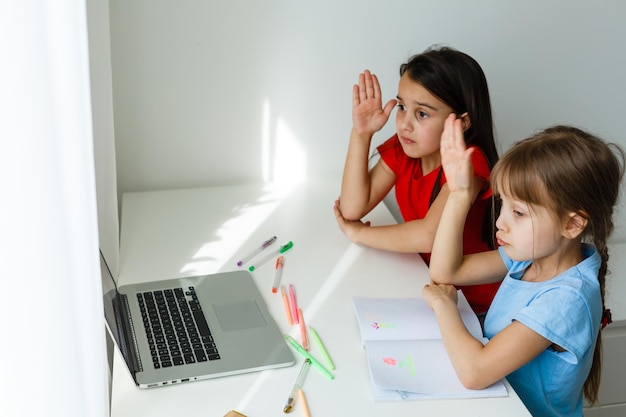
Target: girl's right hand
456, 159
433, 293
368, 115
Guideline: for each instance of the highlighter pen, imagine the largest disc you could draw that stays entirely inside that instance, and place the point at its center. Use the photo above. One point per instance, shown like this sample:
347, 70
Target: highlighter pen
305, 338
303, 404
296, 386
307, 355
256, 251
321, 346
294, 304
280, 251
277, 273
286, 304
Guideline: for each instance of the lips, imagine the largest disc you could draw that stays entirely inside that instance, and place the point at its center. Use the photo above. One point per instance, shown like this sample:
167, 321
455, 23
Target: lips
500, 241
407, 140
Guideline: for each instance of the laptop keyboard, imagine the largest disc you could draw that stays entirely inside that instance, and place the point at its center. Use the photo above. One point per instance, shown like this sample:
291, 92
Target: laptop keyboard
177, 330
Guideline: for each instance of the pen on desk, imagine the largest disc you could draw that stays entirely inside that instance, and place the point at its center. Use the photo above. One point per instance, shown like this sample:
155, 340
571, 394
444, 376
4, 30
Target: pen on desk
282, 250
277, 273
305, 339
294, 304
296, 386
307, 355
304, 405
286, 304
320, 345
256, 251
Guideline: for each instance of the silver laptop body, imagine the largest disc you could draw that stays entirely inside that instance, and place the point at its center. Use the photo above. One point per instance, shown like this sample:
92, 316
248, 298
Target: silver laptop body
243, 335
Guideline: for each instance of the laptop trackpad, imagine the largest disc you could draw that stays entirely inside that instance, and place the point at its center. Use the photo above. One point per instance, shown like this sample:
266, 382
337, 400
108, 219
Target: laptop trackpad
239, 315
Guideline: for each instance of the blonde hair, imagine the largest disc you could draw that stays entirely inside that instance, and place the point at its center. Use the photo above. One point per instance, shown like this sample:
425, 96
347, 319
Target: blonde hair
565, 170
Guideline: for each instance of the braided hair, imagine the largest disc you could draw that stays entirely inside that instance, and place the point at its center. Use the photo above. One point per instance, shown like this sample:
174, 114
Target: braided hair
568, 170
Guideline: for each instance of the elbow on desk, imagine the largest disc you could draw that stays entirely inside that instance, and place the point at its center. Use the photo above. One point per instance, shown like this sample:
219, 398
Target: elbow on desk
440, 276
351, 214
475, 375
474, 379
354, 210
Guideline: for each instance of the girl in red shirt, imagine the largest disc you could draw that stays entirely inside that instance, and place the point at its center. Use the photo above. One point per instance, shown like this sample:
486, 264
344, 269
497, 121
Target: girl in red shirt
432, 85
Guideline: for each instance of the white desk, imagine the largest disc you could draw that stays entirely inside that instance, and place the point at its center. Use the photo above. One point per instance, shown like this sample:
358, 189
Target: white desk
186, 232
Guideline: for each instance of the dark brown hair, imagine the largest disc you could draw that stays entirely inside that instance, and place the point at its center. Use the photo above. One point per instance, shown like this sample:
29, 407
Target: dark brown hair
458, 80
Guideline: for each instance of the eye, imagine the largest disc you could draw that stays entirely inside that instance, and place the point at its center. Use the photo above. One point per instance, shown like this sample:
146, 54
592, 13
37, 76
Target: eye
518, 213
401, 107
422, 115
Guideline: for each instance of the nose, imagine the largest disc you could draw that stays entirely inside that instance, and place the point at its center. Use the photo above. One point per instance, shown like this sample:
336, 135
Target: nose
403, 122
500, 222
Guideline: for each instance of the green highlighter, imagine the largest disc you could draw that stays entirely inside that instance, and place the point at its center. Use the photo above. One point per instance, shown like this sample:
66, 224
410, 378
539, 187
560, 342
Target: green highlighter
307, 355
280, 251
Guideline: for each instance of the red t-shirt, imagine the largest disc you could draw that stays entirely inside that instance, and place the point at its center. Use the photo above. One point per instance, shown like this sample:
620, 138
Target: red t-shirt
413, 193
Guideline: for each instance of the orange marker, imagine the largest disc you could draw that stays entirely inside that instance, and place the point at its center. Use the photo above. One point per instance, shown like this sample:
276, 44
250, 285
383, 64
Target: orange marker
303, 404
286, 303
305, 339
278, 272
294, 304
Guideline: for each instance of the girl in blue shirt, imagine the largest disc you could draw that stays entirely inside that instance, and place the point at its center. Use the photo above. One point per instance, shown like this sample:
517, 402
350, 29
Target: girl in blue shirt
558, 190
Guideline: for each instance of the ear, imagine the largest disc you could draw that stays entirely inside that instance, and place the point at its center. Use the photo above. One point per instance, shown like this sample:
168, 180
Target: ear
465, 121
575, 224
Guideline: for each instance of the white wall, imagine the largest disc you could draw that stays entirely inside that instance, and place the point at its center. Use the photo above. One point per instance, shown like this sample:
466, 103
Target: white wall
103, 140
51, 302
103, 128
209, 92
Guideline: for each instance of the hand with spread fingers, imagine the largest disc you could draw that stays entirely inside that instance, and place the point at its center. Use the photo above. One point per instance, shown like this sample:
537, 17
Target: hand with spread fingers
456, 159
368, 114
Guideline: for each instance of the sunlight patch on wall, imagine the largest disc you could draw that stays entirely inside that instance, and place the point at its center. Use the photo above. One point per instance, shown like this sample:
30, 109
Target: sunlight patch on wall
284, 158
289, 156
284, 164
265, 142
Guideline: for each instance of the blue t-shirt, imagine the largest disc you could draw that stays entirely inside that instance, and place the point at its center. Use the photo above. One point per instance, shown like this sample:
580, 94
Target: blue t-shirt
566, 310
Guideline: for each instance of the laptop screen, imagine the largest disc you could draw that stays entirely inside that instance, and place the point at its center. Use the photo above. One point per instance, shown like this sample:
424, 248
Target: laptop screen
113, 312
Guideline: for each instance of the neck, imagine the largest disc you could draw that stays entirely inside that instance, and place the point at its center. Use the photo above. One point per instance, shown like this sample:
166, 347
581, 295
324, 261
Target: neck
430, 162
546, 268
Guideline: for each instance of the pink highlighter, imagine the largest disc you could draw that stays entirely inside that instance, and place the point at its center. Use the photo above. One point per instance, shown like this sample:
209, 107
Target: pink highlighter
294, 305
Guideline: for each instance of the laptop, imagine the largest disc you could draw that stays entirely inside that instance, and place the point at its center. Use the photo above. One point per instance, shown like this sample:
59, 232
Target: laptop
189, 329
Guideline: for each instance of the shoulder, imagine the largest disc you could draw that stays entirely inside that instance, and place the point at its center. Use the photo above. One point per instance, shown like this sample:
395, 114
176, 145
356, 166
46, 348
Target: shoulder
393, 155
567, 310
564, 316
390, 145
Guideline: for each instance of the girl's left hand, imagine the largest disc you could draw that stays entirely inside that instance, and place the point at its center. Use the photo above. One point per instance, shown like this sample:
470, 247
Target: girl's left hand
349, 227
434, 292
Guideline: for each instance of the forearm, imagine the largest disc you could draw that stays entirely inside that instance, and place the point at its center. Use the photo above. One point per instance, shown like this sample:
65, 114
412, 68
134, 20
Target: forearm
410, 237
356, 184
447, 250
462, 348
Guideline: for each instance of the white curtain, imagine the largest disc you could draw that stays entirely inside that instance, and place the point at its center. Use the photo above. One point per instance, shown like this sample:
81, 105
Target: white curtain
53, 349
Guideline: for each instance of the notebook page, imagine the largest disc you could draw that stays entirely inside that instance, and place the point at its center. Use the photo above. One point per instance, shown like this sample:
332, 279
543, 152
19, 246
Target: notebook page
395, 319
421, 367
406, 356
405, 318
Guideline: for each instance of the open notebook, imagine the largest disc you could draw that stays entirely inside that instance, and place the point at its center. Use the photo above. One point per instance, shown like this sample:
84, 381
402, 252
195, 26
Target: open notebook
406, 356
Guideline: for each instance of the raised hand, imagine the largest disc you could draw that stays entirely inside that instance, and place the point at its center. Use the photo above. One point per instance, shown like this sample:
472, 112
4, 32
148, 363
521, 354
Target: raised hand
456, 159
368, 115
